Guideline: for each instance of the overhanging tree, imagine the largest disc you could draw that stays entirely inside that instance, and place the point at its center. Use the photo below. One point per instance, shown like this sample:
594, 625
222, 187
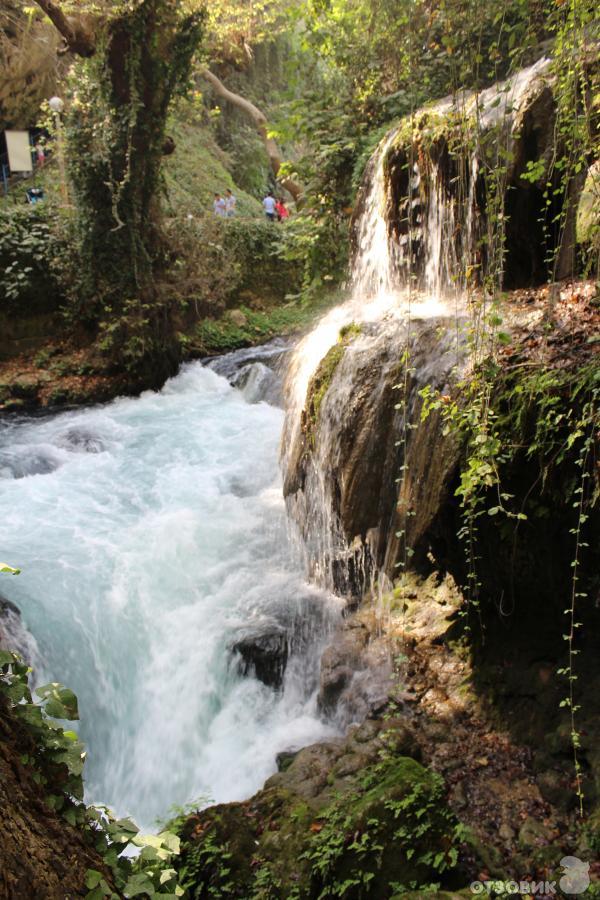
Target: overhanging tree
260, 122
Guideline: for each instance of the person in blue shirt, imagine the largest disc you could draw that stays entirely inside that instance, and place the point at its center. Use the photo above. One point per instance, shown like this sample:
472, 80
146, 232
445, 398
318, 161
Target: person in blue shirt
269, 206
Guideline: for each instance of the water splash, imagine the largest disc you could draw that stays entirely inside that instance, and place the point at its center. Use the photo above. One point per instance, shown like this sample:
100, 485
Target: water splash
156, 543
414, 259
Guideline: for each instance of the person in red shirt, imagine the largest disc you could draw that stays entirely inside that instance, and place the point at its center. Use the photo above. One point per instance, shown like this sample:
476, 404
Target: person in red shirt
282, 210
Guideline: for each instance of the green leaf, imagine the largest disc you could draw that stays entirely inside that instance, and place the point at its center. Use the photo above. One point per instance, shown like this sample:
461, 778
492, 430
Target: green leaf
8, 570
127, 825
92, 878
139, 884
61, 702
73, 758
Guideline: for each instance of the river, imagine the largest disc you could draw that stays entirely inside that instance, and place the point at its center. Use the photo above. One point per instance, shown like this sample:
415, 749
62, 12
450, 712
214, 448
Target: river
151, 534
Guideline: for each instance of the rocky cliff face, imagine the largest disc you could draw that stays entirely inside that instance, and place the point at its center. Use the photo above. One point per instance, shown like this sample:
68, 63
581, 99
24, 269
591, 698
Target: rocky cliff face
497, 487
344, 469
441, 204
375, 486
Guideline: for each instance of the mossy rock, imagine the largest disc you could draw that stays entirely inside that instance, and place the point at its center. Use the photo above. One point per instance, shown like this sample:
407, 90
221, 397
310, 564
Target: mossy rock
321, 380
389, 829
588, 211
397, 833
25, 388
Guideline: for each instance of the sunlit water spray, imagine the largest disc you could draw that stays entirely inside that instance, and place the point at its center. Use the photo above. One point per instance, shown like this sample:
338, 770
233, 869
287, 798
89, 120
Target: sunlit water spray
152, 535
387, 286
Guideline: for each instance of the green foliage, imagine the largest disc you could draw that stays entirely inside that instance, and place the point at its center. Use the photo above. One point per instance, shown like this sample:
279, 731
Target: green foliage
556, 416
235, 27
198, 167
30, 253
205, 871
249, 163
546, 415
221, 262
401, 806
576, 30
376, 51
115, 132
59, 755
213, 336
57, 761
388, 827
548, 411
317, 242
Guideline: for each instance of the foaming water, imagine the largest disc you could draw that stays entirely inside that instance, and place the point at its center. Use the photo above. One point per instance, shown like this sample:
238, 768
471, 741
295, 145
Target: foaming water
414, 255
152, 535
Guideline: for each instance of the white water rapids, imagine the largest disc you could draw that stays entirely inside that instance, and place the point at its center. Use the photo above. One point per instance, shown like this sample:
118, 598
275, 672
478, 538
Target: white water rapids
151, 533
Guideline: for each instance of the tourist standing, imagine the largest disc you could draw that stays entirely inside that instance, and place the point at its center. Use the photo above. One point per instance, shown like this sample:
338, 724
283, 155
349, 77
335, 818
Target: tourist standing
270, 207
219, 206
230, 203
283, 212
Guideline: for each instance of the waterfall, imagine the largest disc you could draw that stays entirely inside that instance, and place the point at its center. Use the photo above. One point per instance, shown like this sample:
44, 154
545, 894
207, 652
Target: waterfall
418, 248
374, 270
158, 581
159, 578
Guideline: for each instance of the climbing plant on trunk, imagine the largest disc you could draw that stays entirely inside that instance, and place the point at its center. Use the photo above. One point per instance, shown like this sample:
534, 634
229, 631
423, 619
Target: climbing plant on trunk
135, 60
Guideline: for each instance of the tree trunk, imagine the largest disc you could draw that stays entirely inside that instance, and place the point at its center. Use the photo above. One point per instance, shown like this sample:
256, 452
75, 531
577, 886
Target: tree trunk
261, 124
41, 855
115, 131
77, 38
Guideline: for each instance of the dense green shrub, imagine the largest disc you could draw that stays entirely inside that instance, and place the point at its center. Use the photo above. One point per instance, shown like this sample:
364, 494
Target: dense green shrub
226, 262
32, 254
317, 243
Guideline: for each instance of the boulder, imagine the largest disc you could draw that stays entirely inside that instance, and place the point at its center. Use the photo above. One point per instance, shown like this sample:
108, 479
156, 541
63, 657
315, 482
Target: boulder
341, 475
263, 654
335, 816
13, 634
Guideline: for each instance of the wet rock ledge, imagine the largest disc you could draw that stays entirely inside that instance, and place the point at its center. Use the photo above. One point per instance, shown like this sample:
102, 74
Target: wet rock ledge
427, 788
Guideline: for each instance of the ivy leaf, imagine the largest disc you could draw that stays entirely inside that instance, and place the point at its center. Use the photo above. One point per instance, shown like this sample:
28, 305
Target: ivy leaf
73, 758
61, 702
92, 878
138, 885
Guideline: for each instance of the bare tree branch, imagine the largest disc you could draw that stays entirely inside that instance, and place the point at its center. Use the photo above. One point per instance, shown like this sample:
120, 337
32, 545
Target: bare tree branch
77, 38
261, 124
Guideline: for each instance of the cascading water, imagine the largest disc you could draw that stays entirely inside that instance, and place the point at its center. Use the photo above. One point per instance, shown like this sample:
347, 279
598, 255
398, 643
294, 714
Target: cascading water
151, 535
380, 312
418, 241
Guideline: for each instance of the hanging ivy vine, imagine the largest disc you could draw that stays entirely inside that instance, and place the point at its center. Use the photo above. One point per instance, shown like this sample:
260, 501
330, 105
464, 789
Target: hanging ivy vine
116, 136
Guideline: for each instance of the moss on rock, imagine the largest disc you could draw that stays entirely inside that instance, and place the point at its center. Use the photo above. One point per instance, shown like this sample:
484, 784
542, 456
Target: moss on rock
326, 829
321, 380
